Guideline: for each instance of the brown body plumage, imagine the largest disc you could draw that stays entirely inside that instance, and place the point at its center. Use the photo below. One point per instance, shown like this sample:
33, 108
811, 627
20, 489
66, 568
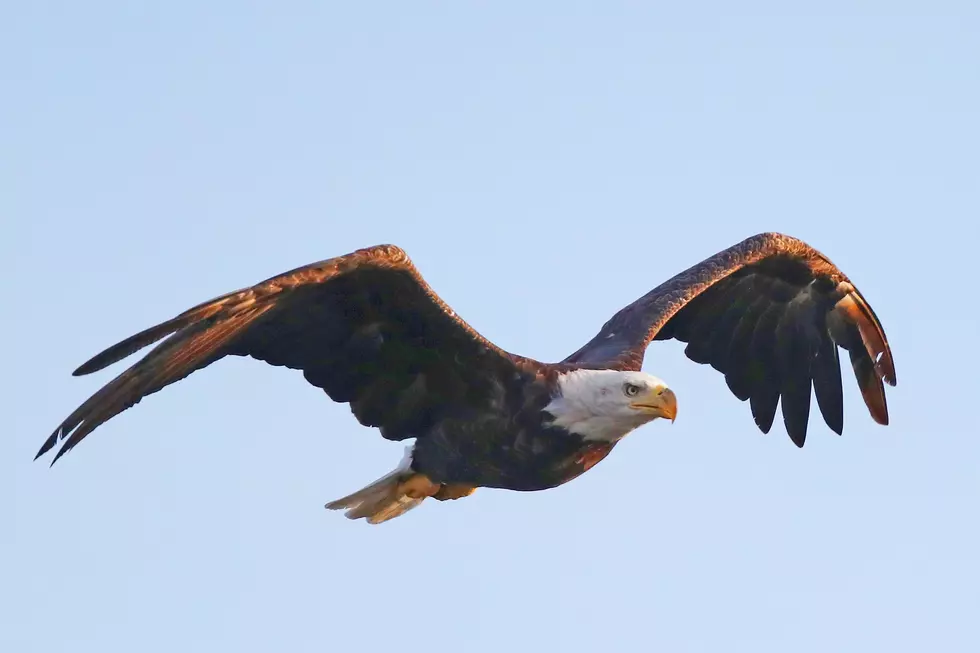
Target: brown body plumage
769, 313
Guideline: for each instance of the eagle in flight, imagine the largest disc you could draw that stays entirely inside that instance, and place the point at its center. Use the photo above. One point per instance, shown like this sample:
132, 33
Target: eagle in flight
769, 313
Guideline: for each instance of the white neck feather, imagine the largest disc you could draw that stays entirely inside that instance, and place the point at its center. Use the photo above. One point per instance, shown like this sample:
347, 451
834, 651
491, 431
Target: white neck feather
589, 404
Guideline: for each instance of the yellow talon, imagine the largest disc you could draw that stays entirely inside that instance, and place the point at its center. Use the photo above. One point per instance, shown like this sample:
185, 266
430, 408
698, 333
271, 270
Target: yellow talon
418, 486
454, 491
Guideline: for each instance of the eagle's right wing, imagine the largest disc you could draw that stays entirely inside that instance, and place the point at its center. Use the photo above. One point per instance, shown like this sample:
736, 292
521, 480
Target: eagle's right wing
769, 313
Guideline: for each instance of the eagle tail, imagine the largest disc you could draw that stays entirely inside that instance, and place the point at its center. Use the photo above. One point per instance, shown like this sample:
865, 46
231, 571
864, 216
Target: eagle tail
383, 499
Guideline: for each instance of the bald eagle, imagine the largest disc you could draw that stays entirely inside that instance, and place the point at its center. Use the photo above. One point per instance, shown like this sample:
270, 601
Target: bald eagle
769, 313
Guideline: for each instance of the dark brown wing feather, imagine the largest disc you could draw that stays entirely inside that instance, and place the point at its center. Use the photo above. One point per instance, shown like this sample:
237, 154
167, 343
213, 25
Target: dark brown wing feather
769, 313
364, 327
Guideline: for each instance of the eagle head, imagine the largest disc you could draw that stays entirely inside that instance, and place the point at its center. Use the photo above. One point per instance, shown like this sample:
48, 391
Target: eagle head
605, 405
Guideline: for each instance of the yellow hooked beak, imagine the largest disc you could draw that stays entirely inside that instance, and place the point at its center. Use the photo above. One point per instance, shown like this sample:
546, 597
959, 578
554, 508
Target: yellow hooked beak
659, 402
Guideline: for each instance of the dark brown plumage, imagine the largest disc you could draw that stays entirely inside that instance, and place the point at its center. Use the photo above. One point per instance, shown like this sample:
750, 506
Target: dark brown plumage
322, 319
769, 313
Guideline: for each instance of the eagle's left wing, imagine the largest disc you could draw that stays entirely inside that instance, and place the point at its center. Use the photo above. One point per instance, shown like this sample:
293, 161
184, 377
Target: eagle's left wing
769, 313
364, 327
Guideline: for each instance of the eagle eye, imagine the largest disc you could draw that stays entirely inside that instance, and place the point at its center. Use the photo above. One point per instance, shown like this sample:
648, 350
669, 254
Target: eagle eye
631, 389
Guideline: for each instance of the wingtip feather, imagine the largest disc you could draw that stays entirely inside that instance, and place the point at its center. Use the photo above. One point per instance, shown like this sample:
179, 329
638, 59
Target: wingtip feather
856, 309
65, 448
130, 345
48, 443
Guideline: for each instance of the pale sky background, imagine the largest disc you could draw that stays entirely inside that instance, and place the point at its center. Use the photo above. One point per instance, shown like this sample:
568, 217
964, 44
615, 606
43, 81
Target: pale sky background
544, 164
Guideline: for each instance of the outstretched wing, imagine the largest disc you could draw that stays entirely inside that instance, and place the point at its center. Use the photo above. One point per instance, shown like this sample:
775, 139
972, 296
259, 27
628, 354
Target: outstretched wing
364, 327
769, 313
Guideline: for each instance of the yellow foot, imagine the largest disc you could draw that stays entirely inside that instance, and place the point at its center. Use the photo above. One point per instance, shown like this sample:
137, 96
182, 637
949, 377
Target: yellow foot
454, 491
418, 486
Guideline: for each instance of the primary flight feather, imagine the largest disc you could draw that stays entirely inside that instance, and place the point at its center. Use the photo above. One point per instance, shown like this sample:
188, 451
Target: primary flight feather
769, 313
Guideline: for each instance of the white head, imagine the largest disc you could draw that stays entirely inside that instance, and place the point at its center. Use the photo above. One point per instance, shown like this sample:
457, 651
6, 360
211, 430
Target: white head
608, 404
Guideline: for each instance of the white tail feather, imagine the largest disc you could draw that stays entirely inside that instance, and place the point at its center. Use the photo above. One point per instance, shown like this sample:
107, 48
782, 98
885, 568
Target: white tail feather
381, 500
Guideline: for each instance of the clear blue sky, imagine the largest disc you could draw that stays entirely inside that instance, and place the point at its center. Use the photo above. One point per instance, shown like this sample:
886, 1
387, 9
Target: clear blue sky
544, 164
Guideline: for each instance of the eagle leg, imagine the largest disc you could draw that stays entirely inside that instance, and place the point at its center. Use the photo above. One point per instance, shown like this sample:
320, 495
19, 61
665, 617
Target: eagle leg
418, 486
454, 491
